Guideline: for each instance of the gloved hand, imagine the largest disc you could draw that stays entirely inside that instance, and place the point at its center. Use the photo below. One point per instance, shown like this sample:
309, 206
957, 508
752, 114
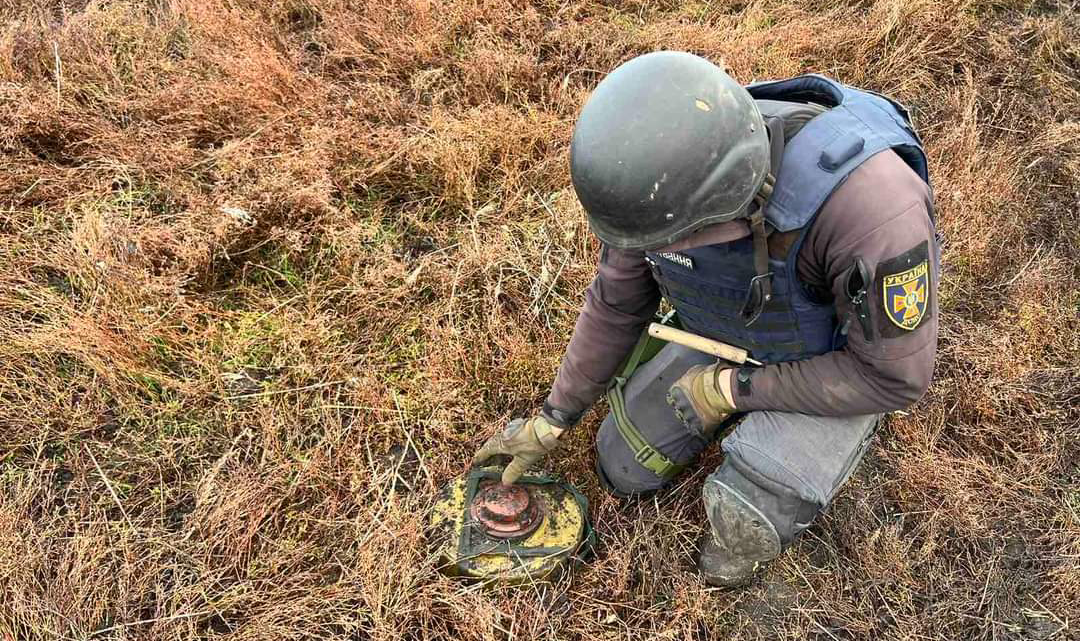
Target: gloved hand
702, 397
526, 440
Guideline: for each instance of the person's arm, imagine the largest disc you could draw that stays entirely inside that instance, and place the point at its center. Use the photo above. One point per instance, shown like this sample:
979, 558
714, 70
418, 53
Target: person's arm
618, 305
879, 216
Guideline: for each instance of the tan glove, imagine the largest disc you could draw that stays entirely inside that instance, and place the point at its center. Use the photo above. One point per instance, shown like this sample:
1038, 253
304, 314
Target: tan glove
702, 397
526, 440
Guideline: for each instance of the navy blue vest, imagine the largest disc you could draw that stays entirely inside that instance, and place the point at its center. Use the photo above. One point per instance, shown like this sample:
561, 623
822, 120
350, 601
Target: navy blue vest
708, 285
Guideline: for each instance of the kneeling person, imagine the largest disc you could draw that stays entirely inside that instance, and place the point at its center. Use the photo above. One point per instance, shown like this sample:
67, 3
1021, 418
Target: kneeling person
791, 218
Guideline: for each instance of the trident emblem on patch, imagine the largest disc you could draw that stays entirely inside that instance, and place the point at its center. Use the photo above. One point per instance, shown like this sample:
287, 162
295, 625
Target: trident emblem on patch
905, 296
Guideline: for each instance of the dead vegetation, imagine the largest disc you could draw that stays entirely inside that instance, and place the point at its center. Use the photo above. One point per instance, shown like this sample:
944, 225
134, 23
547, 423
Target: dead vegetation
250, 250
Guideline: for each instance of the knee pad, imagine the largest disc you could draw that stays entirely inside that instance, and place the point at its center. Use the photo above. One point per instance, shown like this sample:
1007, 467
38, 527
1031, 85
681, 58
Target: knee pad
625, 492
620, 467
737, 499
641, 444
616, 468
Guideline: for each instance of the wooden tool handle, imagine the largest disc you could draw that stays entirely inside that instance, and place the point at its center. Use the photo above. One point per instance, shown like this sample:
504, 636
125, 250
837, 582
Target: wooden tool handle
727, 352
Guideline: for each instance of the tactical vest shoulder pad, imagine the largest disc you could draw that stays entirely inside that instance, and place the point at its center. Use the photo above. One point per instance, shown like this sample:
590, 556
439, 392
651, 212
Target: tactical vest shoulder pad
858, 125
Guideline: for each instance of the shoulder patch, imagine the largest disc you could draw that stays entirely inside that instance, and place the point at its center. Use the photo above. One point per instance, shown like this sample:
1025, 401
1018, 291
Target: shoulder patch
904, 289
906, 295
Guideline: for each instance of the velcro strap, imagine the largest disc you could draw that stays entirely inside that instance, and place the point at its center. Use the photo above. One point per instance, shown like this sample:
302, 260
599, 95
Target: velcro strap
558, 417
547, 438
644, 453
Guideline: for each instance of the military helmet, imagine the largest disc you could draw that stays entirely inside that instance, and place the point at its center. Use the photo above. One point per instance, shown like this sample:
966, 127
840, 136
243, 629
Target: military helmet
666, 144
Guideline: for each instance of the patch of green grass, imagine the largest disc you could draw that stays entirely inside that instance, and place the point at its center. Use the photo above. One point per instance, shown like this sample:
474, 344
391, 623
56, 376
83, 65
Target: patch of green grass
178, 43
277, 271
184, 427
400, 350
149, 197
248, 340
152, 389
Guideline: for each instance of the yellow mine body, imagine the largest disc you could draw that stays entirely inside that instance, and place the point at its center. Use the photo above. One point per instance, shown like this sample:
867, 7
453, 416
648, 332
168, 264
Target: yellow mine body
465, 550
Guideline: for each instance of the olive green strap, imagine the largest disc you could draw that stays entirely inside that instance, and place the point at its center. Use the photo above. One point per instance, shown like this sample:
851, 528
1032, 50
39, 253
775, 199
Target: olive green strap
635, 357
646, 347
644, 454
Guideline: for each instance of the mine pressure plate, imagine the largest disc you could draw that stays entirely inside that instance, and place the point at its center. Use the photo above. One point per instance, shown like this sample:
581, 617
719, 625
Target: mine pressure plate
527, 531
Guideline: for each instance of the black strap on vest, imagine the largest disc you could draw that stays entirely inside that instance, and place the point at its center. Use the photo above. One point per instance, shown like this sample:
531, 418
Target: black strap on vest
760, 292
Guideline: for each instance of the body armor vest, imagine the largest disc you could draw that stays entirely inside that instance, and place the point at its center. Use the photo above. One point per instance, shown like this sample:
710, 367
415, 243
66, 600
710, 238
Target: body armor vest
709, 285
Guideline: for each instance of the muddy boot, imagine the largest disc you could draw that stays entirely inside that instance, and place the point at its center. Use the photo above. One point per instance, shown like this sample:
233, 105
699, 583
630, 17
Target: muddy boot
720, 568
741, 538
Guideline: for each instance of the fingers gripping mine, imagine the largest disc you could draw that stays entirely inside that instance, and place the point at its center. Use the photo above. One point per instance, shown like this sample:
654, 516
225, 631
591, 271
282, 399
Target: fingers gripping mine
488, 450
517, 467
494, 446
526, 441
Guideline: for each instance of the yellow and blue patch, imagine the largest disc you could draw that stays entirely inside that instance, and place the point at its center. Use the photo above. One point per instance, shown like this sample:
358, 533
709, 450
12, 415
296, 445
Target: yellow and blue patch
907, 295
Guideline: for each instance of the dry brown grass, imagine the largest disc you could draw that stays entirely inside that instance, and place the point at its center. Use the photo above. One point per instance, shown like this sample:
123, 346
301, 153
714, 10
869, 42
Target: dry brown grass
248, 246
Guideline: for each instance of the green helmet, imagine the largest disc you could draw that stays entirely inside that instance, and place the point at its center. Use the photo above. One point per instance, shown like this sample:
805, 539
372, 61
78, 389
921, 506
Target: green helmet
667, 144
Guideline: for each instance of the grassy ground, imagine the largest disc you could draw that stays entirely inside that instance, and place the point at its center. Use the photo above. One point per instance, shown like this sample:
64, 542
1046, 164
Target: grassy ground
250, 250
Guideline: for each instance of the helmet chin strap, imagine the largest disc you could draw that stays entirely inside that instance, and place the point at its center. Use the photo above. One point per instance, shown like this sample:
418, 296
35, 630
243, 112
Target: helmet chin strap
760, 292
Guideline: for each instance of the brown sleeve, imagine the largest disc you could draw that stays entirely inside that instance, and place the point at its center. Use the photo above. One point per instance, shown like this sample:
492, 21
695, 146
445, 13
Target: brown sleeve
881, 216
618, 305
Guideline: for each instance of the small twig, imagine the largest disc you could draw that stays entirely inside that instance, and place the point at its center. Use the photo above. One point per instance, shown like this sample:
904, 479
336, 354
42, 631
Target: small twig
287, 391
277, 307
31, 188
824, 629
166, 313
986, 585
155, 620
109, 486
394, 156
354, 407
276, 273
204, 486
1034, 256
566, 79
396, 472
408, 438
1064, 624
554, 281
544, 203
626, 606
376, 519
453, 294
59, 71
